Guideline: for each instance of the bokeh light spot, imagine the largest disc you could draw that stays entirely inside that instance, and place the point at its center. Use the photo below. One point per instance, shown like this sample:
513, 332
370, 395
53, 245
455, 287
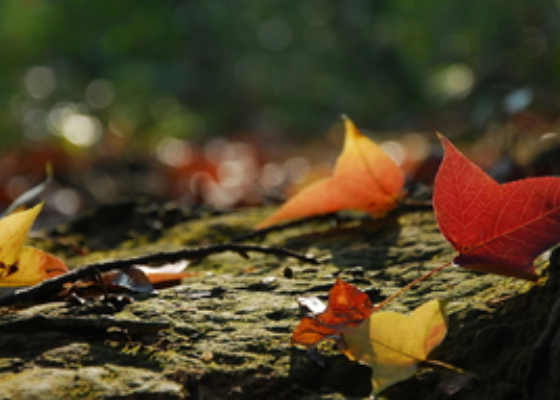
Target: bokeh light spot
39, 82
518, 100
100, 93
81, 130
35, 126
394, 150
417, 146
67, 201
272, 175
174, 152
454, 81
297, 169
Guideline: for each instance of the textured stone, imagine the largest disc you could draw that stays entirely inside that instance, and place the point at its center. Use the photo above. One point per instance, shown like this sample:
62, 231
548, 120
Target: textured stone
89, 383
226, 332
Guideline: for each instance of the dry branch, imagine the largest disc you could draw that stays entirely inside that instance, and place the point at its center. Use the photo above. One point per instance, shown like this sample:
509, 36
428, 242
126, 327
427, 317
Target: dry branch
52, 286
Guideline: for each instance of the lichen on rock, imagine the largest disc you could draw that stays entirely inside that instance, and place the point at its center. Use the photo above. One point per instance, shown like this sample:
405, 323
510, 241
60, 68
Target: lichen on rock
226, 332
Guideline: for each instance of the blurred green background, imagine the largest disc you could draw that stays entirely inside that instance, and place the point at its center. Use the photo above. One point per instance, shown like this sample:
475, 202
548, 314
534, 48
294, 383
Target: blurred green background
74, 69
226, 103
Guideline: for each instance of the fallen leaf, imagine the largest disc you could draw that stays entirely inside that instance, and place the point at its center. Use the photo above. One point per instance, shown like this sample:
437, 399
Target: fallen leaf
132, 279
144, 278
13, 233
393, 344
348, 306
311, 332
495, 228
167, 273
22, 265
365, 179
34, 266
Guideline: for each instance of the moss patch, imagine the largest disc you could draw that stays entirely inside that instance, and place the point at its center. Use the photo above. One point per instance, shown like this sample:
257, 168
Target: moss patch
226, 333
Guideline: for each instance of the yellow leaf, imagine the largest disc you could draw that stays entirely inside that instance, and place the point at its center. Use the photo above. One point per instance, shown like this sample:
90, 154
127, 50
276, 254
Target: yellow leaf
393, 344
34, 266
13, 234
365, 179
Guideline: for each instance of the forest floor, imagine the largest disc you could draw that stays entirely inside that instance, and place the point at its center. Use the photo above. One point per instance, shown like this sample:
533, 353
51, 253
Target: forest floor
224, 333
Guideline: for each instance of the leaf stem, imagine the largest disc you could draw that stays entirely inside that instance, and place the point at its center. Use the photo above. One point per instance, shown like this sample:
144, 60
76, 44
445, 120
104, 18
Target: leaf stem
445, 365
410, 285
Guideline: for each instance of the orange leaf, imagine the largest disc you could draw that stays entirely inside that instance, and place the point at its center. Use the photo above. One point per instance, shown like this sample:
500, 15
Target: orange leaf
365, 179
310, 332
348, 306
393, 344
34, 266
166, 273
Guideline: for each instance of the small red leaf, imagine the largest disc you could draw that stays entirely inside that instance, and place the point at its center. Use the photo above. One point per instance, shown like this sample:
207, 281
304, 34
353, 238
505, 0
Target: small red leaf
348, 306
495, 228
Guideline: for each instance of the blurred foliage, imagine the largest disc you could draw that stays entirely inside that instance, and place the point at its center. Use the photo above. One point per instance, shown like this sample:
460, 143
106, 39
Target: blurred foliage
199, 68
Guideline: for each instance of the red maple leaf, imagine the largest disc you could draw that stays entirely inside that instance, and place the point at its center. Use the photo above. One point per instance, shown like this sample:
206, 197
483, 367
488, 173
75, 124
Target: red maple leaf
495, 228
348, 306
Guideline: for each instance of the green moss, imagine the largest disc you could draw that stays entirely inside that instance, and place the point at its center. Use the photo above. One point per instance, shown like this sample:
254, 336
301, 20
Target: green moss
230, 326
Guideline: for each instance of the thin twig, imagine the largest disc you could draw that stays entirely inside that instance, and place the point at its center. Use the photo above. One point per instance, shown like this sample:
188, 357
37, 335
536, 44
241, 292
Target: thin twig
53, 285
410, 285
445, 365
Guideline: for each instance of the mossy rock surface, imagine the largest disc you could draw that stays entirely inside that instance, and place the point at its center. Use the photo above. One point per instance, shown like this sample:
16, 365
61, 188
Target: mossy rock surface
225, 333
